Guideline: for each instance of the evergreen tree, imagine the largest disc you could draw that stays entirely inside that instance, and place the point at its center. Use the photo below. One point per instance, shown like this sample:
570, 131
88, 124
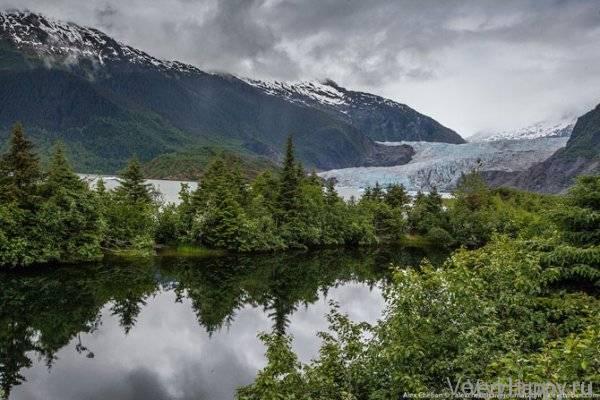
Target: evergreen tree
101, 187
472, 191
377, 192
20, 172
61, 175
70, 213
579, 256
219, 218
289, 189
129, 213
331, 196
396, 196
132, 184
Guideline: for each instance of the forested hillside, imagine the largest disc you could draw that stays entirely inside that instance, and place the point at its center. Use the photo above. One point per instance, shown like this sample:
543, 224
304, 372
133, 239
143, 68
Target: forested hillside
107, 101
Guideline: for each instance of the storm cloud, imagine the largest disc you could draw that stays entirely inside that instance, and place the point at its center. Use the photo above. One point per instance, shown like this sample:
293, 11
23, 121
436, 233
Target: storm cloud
473, 65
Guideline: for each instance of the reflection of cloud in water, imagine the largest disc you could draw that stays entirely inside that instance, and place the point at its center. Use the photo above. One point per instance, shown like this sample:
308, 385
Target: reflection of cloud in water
167, 355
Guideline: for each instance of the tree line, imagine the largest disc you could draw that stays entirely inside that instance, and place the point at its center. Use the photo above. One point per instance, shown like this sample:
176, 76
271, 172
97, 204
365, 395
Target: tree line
50, 215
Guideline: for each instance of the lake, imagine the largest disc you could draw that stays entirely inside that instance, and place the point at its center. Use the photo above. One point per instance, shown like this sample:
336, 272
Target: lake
169, 190
173, 327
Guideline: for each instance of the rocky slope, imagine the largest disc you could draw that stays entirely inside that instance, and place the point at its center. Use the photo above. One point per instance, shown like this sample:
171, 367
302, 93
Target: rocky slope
580, 156
107, 100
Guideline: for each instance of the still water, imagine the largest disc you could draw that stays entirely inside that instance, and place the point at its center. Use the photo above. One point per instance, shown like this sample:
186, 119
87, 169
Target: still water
174, 327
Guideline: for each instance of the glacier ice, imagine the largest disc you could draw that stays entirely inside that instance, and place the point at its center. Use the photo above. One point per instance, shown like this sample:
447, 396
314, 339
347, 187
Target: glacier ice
440, 165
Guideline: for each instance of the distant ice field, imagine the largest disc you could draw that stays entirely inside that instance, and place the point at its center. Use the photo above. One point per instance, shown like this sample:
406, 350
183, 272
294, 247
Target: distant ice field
440, 165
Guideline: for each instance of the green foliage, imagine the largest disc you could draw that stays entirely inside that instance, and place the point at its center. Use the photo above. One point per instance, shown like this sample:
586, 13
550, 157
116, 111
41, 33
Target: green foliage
289, 188
273, 212
70, 214
19, 170
191, 164
486, 314
578, 255
132, 187
47, 218
427, 217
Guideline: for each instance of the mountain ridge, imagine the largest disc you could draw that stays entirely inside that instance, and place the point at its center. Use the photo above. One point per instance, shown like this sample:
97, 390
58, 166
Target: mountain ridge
562, 128
97, 91
580, 156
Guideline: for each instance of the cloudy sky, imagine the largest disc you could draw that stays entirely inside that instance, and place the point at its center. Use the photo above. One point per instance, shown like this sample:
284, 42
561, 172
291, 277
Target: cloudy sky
473, 65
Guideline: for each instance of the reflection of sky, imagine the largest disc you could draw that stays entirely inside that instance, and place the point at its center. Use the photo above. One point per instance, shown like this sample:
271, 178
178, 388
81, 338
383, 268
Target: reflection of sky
167, 355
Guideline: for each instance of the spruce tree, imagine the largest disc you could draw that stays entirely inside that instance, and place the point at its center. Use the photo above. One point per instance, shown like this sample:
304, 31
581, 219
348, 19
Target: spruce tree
61, 175
377, 192
289, 189
132, 184
70, 213
101, 187
19, 170
396, 196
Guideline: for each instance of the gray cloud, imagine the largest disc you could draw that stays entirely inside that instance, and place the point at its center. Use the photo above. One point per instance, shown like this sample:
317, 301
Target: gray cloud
473, 65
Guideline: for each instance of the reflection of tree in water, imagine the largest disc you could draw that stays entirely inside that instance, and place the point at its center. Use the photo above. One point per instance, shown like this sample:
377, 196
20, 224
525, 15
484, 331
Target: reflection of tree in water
43, 311
278, 283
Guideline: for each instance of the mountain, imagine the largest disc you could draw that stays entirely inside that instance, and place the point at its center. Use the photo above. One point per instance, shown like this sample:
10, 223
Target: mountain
379, 118
580, 156
561, 128
106, 101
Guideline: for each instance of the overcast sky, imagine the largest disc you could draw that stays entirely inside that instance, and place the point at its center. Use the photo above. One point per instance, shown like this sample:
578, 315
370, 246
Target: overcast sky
473, 65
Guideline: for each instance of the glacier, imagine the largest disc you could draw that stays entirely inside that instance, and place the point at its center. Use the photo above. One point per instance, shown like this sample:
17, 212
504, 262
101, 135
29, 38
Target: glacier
440, 165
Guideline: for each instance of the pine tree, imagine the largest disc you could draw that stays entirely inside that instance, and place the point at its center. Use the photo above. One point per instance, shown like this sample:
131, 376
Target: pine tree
19, 170
132, 184
70, 213
289, 190
101, 187
396, 196
61, 175
331, 196
377, 192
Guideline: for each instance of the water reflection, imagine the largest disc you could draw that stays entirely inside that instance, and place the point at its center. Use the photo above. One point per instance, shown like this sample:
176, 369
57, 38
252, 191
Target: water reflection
173, 327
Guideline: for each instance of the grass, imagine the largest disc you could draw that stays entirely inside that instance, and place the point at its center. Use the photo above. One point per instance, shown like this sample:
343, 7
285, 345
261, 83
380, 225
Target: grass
189, 250
415, 241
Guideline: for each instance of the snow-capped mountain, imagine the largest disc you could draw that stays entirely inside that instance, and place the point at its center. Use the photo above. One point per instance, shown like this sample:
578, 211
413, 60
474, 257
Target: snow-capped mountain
380, 118
66, 42
548, 129
93, 91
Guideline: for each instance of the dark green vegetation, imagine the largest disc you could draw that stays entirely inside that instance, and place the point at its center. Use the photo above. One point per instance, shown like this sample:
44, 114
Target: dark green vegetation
581, 156
132, 103
191, 164
275, 211
53, 216
523, 306
44, 310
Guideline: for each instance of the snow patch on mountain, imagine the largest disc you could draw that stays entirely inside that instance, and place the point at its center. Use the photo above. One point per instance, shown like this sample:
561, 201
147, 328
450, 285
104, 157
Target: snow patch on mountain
68, 42
325, 93
298, 92
440, 165
562, 128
